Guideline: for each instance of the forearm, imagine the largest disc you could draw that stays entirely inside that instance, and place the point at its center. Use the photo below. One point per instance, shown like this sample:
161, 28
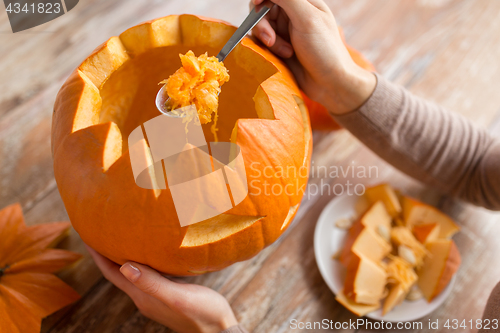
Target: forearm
429, 143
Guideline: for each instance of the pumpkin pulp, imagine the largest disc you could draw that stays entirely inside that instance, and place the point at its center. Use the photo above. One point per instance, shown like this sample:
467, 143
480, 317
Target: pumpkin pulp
198, 82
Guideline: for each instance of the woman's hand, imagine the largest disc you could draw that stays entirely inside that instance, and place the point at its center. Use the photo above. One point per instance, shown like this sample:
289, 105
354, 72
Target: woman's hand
180, 306
322, 65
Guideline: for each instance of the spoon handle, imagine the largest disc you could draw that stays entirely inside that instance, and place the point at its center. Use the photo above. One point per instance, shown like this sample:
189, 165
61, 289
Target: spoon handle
251, 21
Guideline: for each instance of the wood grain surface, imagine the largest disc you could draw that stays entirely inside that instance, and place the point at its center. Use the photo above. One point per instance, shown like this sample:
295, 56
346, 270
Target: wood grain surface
445, 50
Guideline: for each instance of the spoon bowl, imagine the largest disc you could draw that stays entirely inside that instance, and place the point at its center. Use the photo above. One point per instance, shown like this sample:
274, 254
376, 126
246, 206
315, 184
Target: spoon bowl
257, 13
162, 101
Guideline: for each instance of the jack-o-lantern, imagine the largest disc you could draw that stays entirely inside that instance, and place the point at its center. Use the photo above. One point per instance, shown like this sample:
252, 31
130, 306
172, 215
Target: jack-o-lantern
113, 92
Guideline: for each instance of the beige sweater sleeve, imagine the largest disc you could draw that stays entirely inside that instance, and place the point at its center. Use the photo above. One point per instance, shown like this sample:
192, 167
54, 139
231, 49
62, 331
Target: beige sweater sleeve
437, 147
429, 143
433, 145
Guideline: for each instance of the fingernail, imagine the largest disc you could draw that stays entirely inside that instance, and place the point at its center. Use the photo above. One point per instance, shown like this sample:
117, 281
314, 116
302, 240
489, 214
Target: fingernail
265, 38
131, 272
286, 51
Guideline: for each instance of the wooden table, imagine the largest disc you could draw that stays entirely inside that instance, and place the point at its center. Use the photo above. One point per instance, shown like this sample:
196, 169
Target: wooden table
445, 50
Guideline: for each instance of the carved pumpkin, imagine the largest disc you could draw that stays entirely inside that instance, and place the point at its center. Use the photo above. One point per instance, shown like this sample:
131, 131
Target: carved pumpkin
113, 91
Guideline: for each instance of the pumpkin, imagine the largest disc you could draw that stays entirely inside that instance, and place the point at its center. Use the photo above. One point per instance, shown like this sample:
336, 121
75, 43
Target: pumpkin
387, 195
321, 119
425, 233
356, 308
365, 236
113, 92
439, 267
416, 213
365, 280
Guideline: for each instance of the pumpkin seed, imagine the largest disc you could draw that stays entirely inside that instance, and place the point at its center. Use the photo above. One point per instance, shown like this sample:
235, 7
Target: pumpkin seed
415, 294
344, 223
407, 254
384, 232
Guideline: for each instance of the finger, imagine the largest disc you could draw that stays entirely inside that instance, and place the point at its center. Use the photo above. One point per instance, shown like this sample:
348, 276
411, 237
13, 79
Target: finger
265, 32
297, 10
282, 48
279, 46
273, 25
296, 67
273, 13
320, 4
111, 271
175, 279
152, 283
282, 26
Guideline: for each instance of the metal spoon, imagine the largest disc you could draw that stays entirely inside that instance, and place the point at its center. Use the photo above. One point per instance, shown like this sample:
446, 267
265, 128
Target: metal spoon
251, 21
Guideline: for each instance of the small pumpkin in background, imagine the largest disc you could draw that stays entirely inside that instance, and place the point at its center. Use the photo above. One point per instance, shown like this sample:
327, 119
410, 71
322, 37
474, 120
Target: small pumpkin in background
113, 92
321, 120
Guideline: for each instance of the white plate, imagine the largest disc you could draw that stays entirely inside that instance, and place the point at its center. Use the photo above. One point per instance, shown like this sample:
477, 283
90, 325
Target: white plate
328, 240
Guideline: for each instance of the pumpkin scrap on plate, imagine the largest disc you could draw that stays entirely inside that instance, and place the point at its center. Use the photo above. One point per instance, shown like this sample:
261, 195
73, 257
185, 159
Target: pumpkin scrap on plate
396, 246
29, 291
197, 82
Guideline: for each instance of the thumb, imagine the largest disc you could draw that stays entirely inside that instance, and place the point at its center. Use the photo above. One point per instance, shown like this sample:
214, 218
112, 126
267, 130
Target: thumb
150, 281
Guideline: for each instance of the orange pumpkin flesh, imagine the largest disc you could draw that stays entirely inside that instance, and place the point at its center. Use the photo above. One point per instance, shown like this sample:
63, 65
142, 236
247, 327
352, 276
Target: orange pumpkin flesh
198, 82
113, 92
